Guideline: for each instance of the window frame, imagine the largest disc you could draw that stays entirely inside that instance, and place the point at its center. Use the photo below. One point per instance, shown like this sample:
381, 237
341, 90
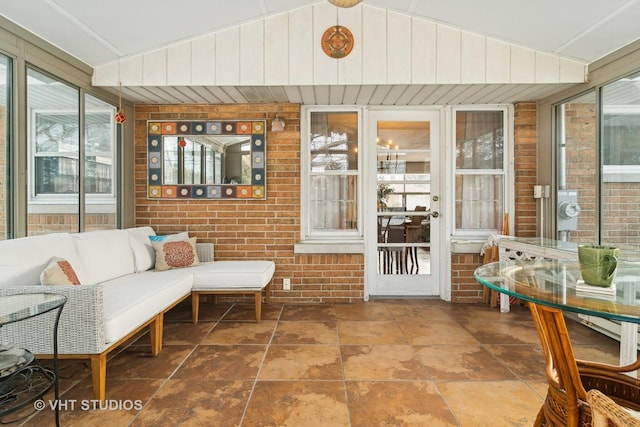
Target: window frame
306, 174
507, 171
62, 199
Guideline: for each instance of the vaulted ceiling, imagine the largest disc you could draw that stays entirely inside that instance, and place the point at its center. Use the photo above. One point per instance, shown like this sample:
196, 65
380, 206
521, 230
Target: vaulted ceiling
104, 32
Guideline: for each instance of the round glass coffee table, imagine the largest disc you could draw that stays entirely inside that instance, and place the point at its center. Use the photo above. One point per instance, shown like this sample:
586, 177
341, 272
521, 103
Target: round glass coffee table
23, 379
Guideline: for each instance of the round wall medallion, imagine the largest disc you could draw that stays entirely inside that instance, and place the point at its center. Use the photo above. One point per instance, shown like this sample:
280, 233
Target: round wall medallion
337, 41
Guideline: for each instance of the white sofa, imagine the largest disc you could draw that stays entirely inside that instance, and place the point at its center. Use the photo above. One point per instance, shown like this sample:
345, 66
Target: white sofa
119, 295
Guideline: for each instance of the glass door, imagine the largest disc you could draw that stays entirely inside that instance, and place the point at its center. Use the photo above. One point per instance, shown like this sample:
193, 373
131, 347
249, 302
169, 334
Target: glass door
403, 253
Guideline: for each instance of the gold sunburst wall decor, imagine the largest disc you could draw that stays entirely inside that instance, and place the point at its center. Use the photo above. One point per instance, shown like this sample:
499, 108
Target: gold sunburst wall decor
337, 41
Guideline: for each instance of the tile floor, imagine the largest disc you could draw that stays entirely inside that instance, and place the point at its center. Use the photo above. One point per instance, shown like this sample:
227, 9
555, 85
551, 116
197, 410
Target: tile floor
413, 362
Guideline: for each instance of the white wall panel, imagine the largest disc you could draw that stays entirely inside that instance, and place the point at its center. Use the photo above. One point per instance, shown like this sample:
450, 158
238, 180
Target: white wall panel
301, 46
522, 65
547, 68
350, 68
374, 46
389, 49
179, 64
336, 95
154, 68
321, 94
498, 61
398, 48
228, 57
276, 50
252, 53
423, 52
572, 71
473, 61
131, 71
203, 60
107, 75
325, 68
448, 55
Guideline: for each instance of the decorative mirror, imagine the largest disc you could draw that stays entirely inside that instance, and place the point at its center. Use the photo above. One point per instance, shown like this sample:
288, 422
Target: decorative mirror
222, 159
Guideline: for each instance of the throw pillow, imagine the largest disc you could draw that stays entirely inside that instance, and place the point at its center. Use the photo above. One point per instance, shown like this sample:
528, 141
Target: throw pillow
176, 254
170, 237
59, 272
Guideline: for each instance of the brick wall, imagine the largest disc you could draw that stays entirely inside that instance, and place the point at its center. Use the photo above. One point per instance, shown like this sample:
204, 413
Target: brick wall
580, 155
620, 220
464, 287
251, 229
525, 159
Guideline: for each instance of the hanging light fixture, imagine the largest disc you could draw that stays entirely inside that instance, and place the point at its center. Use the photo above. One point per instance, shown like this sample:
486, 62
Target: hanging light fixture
277, 124
344, 3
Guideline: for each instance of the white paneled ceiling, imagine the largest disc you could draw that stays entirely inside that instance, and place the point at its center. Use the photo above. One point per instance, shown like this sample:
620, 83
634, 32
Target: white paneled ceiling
101, 32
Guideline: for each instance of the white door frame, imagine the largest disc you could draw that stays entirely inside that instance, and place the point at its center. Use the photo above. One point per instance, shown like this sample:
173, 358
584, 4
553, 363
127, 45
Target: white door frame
442, 256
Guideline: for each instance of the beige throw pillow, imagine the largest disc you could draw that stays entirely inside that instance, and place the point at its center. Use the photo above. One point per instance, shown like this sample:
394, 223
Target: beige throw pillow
59, 272
176, 254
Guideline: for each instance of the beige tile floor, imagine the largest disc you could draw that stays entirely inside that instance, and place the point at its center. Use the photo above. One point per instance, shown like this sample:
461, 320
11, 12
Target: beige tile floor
412, 362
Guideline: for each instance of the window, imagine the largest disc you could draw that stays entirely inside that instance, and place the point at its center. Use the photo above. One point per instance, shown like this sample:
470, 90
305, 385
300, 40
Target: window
331, 170
480, 170
598, 172
72, 185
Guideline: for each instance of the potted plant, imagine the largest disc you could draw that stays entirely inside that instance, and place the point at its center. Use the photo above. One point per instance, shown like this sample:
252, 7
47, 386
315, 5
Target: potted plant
383, 194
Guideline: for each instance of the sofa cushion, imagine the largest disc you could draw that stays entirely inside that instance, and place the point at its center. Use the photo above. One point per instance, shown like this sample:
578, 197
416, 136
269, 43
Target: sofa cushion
245, 274
176, 254
22, 260
59, 271
143, 253
105, 254
131, 300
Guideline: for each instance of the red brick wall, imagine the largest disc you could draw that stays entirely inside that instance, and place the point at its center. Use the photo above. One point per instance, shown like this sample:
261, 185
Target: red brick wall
464, 287
525, 159
251, 229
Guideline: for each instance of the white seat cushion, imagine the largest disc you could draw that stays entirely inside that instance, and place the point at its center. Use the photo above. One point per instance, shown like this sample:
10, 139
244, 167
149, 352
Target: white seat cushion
132, 299
224, 275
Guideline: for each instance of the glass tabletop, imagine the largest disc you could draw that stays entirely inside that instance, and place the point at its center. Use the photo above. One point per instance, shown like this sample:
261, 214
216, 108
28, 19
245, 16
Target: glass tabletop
559, 284
22, 306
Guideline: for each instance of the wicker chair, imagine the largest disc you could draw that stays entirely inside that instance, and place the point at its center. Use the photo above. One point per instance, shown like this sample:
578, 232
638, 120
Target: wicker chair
568, 379
605, 412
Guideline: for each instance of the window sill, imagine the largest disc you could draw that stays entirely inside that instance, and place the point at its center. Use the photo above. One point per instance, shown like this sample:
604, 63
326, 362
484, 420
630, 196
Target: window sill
466, 246
329, 248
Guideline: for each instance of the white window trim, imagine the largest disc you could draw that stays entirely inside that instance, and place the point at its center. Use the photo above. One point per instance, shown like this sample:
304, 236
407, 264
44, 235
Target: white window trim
508, 171
332, 237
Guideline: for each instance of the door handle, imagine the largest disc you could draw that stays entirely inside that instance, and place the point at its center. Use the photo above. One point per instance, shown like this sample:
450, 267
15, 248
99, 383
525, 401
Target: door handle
435, 214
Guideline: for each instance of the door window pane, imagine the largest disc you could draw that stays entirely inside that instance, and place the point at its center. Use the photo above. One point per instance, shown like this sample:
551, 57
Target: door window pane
403, 183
